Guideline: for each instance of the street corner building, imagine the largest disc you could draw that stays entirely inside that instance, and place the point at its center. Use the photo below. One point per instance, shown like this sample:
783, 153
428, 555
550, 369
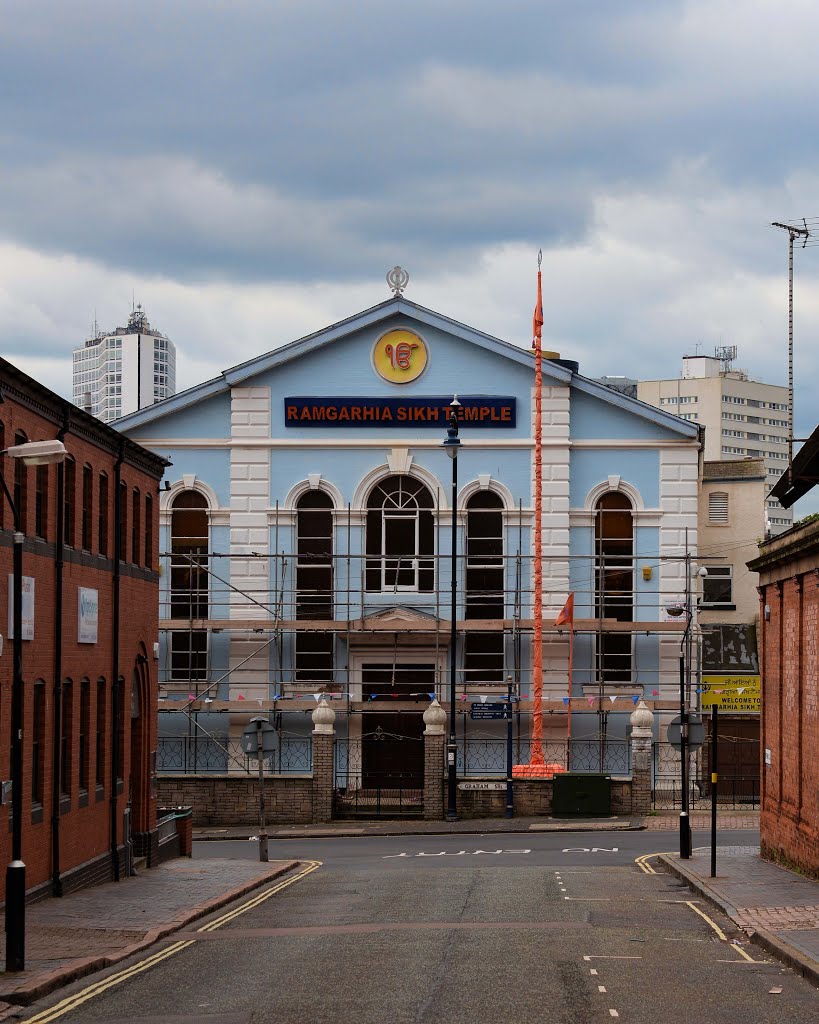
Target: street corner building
788, 567
87, 529
306, 543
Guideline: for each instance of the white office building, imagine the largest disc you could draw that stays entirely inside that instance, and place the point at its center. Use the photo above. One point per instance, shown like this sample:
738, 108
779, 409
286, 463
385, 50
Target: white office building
742, 417
121, 371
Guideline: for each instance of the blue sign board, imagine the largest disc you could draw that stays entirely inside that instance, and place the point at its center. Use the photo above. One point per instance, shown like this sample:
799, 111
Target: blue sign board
495, 709
401, 412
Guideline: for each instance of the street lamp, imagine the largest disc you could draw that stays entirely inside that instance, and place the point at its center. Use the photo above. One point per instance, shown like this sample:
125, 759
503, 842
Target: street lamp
676, 610
451, 445
33, 453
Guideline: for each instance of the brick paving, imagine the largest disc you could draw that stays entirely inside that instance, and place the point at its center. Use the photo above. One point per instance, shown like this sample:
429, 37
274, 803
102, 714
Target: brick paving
87, 930
778, 908
669, 821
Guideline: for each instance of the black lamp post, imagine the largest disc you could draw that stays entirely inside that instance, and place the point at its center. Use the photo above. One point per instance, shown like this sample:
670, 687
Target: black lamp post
451, 446
32, 453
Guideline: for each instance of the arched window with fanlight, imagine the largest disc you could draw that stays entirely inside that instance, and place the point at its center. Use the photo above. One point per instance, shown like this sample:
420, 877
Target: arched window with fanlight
400, 536
483, 650
189, 592
314, 586
614, 584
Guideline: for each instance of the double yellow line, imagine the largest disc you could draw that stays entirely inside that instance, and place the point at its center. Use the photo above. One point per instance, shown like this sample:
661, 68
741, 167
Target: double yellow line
78, 998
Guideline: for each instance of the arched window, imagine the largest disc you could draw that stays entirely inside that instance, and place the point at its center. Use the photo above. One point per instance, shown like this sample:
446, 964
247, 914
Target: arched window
102, 515
314, 585
136, 533
400, 536
41, 501
189, 583
483, 651
614, 583
69, 497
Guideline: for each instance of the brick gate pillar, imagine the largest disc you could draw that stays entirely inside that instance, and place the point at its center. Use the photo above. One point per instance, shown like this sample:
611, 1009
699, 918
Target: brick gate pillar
642, 735
434, 749
324, 735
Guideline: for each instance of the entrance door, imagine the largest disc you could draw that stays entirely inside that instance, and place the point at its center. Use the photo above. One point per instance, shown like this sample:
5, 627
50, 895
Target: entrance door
392, 745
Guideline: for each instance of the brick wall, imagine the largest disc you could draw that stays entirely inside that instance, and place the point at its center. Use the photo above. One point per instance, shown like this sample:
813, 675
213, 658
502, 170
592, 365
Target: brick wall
533, 798
227, 800
789, 728
85, 813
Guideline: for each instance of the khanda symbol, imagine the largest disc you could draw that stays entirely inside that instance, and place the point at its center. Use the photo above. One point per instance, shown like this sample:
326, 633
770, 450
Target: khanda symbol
400, 356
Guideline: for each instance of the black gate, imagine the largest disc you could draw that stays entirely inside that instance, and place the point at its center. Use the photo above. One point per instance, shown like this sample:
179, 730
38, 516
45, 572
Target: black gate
738, 789
380, 775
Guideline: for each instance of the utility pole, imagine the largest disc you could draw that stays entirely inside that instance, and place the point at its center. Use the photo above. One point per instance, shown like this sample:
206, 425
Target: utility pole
794, 231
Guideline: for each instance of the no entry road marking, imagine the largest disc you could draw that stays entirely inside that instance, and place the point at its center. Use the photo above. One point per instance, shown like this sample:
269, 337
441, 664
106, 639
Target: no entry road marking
459, 853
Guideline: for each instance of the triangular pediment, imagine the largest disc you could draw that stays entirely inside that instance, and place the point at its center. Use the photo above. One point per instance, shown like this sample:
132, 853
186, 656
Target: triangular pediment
399, 617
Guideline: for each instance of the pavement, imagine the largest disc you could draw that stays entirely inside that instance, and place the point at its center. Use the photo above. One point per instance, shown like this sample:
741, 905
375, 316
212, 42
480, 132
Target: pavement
777, 908
86, 931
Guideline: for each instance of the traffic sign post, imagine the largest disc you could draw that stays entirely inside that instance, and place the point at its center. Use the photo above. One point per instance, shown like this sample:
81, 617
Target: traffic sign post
260, 738
696, 732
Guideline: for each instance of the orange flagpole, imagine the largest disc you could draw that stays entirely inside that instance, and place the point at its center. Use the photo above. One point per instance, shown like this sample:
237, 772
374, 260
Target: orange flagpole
536, 755
569, 705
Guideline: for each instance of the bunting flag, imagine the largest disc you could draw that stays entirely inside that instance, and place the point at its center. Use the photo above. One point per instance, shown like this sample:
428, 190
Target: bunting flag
590, 701
241, 697
635, 698
191, 697
655, 693
566, 616
613, 699
431, 696
565, 700
740, 689
483, 698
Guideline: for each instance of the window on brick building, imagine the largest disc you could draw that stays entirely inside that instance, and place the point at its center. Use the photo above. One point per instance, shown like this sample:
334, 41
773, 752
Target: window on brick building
69, 499
136, 519
102, 515
87, 509
120, 730
85, 730
314, 585
99, 745
66, 738
121, 520
149, 531
614, 583
21, 484
38, 742
41, 502
2, 449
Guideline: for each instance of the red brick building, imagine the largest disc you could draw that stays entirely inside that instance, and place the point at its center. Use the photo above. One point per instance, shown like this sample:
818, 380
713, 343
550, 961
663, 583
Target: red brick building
89, 628
788, 567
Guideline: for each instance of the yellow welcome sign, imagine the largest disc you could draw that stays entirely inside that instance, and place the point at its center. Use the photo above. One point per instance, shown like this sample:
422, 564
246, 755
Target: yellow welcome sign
731, 693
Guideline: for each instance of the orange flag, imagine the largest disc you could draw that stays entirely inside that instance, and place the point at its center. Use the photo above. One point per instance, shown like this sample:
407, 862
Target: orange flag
537, 318
567, 614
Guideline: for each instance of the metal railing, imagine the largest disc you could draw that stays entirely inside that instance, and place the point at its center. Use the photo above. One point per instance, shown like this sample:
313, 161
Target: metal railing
484, 756
201, 755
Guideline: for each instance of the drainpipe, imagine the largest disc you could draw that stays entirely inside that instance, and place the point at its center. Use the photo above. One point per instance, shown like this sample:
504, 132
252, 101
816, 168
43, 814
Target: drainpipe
56, 759
115, 694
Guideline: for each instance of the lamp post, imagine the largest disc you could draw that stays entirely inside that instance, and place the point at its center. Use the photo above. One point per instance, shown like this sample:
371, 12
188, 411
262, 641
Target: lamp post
33, 453
451, 445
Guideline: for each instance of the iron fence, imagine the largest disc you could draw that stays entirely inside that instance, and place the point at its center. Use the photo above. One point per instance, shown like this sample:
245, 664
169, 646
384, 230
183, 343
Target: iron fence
734, 791
201, 755
485, 756
379, 774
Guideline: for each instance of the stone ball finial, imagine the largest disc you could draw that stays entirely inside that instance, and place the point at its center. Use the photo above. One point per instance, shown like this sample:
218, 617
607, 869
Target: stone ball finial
434, 719
323, 718
642, 717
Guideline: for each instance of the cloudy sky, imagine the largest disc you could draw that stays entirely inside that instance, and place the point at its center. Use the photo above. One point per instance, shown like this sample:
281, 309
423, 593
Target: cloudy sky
249, 170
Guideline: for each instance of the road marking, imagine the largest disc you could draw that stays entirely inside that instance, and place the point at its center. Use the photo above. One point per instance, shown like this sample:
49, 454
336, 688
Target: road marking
643, 859
78, 998
593, 849
588, 899
705, 917
460, 853
593, 970
601, 988
613, 1013
593, 957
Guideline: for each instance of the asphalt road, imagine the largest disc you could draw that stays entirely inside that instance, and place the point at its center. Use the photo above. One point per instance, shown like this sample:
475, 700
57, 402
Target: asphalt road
518, 849
375, 938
